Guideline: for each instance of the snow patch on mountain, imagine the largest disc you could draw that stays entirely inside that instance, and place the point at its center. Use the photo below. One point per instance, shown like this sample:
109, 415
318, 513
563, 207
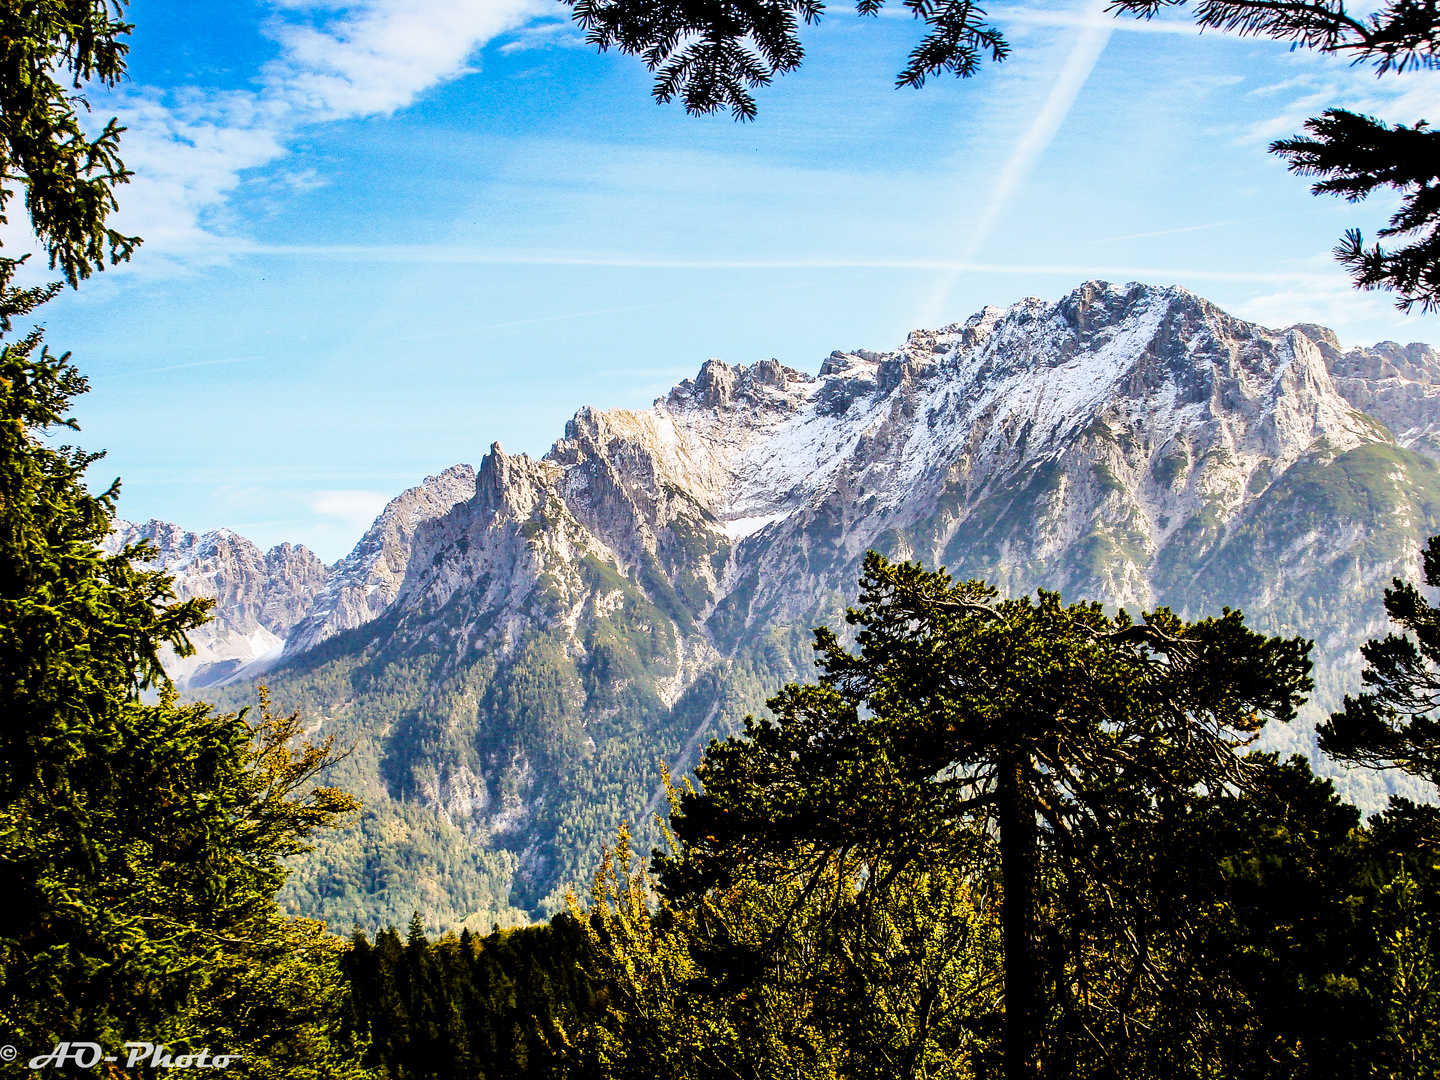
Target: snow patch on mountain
259, 596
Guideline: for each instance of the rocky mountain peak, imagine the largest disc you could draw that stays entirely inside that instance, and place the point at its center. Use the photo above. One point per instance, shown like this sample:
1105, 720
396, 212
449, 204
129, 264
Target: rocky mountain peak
719, 387
259, 596
514, 484
1096, 305
552, 626
1324, 339
366, 582
1397, 384
715, 385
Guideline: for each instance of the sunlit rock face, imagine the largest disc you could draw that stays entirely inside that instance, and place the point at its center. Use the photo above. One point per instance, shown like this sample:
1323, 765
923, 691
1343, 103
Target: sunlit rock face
510, 650
259, 596
1397, 384
1102, 444
366, 582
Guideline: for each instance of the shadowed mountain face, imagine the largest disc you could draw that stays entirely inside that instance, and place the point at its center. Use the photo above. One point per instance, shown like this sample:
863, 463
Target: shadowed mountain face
511, 652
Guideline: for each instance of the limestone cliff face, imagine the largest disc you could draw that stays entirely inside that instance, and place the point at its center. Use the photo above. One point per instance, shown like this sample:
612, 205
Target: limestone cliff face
259, 595
366, 582
1397, 384
1112, 444
510, 650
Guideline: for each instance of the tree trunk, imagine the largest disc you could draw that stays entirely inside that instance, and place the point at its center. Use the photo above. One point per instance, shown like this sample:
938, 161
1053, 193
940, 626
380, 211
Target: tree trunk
1019, 868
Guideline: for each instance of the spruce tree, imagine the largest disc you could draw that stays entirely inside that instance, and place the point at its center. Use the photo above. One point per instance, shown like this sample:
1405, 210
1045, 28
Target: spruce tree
49, 51
141, 841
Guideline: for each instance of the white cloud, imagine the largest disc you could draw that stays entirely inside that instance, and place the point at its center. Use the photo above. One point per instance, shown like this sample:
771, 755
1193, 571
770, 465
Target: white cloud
188, 152
1331, 302
355, 510
190, 146
1326, 82
381, 55
555, 33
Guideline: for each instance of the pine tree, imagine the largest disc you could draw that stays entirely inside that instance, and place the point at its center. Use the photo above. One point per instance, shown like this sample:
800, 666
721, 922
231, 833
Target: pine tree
141, 841
1395, 724
1060, 728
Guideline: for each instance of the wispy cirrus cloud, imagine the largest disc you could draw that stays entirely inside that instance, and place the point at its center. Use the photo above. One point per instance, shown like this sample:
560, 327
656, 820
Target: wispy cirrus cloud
548, 34
1325, 82
1329, 302
190, 147
1313, 84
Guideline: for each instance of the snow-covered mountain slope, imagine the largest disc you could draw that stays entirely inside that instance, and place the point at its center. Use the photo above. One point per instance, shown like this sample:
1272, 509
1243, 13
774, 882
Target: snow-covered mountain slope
510, 651
1103, 444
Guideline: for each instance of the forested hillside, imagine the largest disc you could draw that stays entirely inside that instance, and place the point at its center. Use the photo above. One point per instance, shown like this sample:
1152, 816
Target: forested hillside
544, 642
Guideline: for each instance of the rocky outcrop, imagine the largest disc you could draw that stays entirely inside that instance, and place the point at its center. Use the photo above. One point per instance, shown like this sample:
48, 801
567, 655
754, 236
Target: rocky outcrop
372, 577
1397, 384
259, 596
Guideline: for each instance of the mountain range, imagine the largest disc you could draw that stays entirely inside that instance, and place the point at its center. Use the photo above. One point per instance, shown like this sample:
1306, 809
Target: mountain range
509, 653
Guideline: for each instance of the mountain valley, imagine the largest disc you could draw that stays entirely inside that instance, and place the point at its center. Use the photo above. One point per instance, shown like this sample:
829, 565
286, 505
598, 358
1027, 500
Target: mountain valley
511, 651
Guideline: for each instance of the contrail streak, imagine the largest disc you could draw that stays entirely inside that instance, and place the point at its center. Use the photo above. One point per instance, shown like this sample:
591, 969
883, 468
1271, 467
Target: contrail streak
1094, 36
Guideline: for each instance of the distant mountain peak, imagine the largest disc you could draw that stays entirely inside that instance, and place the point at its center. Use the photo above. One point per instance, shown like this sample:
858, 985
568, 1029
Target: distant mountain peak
517, 646
361, 586
260, 595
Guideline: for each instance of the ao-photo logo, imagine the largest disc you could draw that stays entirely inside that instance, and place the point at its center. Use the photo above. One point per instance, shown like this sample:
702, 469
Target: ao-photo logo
87, 1055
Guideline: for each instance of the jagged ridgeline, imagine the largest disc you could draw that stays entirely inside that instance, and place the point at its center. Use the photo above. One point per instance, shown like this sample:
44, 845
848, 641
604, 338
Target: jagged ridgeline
510, 653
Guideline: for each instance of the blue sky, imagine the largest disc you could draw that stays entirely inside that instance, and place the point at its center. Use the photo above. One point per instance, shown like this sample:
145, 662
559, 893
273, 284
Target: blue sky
382, 235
